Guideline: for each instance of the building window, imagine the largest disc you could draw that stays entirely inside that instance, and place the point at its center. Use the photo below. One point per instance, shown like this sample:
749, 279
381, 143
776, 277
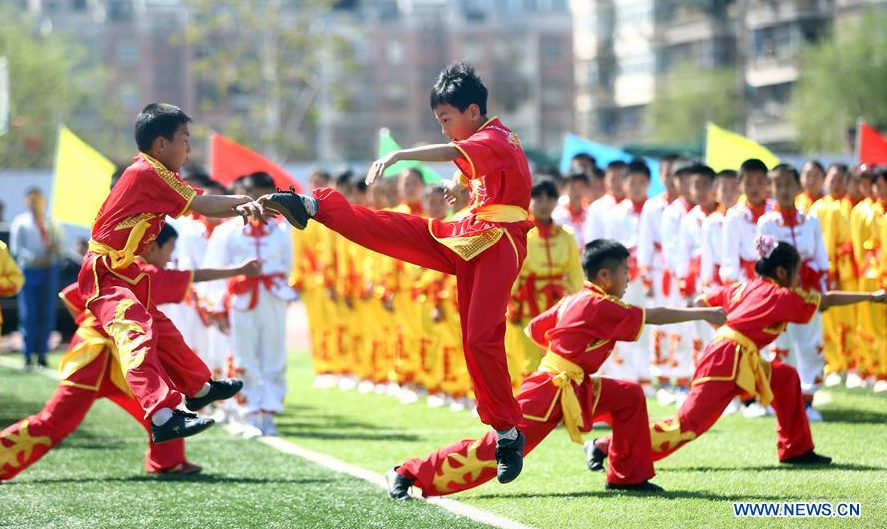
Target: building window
78, 5
120, 11
394, 52
127, 52
552, 49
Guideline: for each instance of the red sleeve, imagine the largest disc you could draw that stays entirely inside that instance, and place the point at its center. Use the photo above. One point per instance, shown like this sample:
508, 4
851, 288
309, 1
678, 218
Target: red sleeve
797, 305
476, 151
172, 194
614, 320
718, 296
538, 328
170, 286
73, 300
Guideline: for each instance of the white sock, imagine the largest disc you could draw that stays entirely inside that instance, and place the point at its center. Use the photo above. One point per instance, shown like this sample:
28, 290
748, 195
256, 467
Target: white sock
203, 391
310, 205
161, 416
510, 434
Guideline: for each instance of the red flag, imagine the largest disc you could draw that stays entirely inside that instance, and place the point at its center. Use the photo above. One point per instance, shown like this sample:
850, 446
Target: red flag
872, 146
229, 160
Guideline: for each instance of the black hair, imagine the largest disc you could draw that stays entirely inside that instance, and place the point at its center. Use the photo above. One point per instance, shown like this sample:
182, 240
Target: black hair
344, 177
617, 164
671, 157
727, 173
434, 188
702, 169
215, 184
816, 164
602, 254
359, 183
33, 190
840, 167
639, 166
784, 255
118, 174
542, 187
752, 164
578, 176
597, 173
585, 156
259, 179
684, 166
458, 85
880, 173
323, 173
167, 232
195, 171
789, 168
156, 120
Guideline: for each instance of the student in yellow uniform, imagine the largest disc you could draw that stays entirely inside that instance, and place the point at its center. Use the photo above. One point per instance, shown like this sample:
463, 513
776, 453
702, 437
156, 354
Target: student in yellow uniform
550, 271
812, 180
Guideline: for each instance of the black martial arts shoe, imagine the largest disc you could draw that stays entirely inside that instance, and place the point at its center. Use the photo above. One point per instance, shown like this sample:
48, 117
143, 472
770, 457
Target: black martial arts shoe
808, 458
291, 205
398, 485
181, 424
594, 457
646, 486
509, 458
218, 390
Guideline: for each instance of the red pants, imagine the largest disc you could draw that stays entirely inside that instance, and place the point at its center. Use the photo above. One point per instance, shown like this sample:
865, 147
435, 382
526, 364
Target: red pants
120, 301
470, 463
483, 288
707, 401
25, 442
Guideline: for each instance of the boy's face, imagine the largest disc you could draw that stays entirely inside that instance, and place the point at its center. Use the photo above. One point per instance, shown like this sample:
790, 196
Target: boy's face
880, 188
666, 176
701, 190
541, 207
835, 182
755, 186
158, 255
784, 188
866, 187
456, 125
812, 179
174, 153
613, 180
256, 192
727, 191
614, 282
637, 184
410, 187
318, 180
854, 187
435, 205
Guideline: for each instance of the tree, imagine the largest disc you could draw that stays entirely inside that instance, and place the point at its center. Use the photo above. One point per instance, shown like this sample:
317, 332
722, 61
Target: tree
842, 78
688, 97
50, 83
257, 64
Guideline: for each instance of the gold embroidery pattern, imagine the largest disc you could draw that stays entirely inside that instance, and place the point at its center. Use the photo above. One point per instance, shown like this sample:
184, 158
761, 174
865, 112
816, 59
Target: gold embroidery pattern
22, 443
470, 246
132, 220
461, 469
169, 177
129, 337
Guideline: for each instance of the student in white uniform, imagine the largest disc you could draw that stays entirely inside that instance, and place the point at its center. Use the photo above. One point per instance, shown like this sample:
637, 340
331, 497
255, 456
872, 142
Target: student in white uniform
598, 216
738, 254
572, 212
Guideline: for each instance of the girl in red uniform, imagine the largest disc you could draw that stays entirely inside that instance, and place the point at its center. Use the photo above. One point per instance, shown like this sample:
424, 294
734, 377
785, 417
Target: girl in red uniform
757, 312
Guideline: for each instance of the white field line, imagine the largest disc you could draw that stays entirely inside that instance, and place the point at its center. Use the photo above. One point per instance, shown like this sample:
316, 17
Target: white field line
337, 465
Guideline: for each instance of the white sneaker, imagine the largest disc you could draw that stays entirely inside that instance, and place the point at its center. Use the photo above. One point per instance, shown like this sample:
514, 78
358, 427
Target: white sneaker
393, 389
348, 383
680, 396
813, 415
649, 390
269, 428
665, 397
437, 400
366, 386
408, 396
461, 404
832, 380
880, 386
381, 388
253, 426
325, 381
854, 381
754, 410
733, 407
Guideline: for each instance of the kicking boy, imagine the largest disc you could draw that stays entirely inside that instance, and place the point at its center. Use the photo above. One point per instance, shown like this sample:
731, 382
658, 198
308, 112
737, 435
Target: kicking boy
484, 249
579, 333
117, 292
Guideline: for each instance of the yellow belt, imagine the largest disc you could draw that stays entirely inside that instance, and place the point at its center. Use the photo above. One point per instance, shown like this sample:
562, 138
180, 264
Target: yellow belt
751, 373
566, 372
502, 213
122, 258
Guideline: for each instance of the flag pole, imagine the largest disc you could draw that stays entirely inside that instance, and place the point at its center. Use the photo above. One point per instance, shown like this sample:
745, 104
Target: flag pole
858, 147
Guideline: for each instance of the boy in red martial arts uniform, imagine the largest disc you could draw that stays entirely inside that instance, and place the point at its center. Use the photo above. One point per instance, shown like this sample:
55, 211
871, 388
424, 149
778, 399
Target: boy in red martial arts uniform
757, 312
90, 371
579, 333
484, 249
115, 289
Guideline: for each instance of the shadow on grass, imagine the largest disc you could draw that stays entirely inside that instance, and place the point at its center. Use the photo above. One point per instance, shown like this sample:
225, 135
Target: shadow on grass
782, 468
852, 416
668, 495
189, 478
304, 424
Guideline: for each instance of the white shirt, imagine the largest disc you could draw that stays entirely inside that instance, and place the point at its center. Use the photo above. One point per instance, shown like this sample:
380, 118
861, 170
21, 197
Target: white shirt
233, 243
563, 216
805, 236
671, 226
738, 242
26, 242
650, 255
691, 242
599, 219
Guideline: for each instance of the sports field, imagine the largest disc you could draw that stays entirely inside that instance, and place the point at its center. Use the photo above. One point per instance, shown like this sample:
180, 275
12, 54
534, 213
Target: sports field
95, 478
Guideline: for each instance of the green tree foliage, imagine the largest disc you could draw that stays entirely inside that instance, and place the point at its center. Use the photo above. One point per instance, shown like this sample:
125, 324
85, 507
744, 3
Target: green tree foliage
688, 97
842, 78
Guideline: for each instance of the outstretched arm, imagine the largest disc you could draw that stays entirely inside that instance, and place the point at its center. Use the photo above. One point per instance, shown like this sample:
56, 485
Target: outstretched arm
441, 152
250, 268
224, 206
667, 315
835, 298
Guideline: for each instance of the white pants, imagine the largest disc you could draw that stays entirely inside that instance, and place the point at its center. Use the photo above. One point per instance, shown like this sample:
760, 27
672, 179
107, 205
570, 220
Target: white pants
803, 344
631, 360
259, 340
217, 353
674, 358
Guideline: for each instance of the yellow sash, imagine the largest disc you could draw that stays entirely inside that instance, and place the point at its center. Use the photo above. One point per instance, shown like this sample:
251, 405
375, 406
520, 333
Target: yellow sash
502, 213
566, 372
750, 371
122, 258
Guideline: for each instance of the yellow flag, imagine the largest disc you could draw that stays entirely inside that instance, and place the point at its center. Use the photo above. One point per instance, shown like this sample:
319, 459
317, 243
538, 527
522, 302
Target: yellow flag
81, 180
727, 150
